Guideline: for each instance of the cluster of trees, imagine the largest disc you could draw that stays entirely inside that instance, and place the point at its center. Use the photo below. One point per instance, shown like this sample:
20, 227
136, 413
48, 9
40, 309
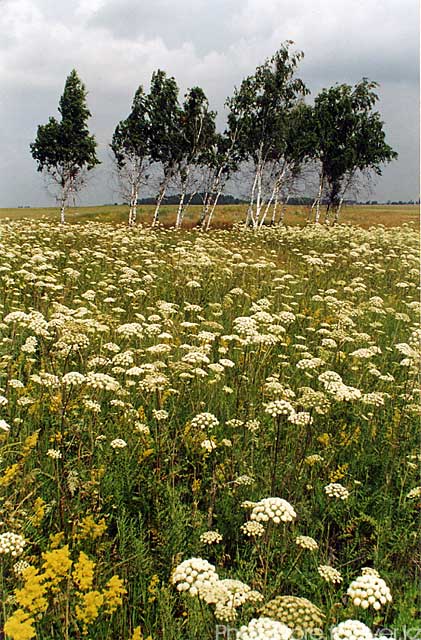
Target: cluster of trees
273, 141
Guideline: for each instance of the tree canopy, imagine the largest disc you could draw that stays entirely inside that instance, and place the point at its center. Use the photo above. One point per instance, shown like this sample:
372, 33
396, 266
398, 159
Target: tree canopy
64, 149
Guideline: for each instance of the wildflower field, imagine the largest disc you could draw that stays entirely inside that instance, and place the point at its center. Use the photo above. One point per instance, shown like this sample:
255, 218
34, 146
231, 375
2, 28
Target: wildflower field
201, 432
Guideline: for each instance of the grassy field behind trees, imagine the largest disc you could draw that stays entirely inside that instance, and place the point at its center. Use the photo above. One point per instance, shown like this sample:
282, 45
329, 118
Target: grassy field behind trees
225, 215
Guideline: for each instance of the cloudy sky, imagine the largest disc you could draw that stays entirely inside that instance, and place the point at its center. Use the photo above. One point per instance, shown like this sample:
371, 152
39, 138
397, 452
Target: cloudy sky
115, 45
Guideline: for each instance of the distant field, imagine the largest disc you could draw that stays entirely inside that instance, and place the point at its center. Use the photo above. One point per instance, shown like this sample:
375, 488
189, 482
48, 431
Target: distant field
225, 215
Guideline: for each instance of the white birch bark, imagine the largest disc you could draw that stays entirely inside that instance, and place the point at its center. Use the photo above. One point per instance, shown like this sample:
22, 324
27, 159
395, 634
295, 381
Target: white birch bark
250, 216
213, 209
161, 195
62, 209
283, 210
316, 203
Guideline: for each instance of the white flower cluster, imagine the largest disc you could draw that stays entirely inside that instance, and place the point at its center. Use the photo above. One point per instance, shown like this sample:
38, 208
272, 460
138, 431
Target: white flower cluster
73, 378
351, 630
329, 574
30, 345
264, 629
210, 537
369, 590
198, 577
337, 490
194, 576
414, 493
252, 529
231, 595
275, 509
205, 421
160, 414
208, 445
244, 480
12, 543
20, 566
333, 383
4, 426
309, 363
118, 443
306, 542
130, 329
55, 454
279, 408
301, 418
102, 381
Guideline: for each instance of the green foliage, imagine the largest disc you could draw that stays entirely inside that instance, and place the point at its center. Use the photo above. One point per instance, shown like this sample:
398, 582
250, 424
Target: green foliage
131, 137
64, 148
348, 135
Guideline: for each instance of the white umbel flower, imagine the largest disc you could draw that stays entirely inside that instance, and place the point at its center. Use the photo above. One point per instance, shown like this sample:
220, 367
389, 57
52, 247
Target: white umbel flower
11, 543
118, 443
211, 537
351, 630
336, 490
264, 629
194, 576
275, 509
369, 590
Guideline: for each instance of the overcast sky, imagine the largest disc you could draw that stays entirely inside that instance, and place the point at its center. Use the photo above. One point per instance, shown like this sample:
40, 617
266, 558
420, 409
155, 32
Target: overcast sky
115, 45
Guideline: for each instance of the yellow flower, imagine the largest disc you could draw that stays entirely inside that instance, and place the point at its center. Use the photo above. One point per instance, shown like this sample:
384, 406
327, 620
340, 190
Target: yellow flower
56, 565
153, 588
113, 593
324, 439
19, 626
56, 539
339, 473
137, 635
9, 475
31, 596
88, 528
89, 609
83, 572
39, 512
30, 443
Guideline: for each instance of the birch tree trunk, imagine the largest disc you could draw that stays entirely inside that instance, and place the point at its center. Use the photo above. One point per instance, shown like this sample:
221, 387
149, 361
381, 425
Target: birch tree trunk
258, 199
318, 199
284, 210
180, 211
274, 194
62, 209
204, 212
133, 205
215, 202
161, 195
338, 211
250, 216
275, 206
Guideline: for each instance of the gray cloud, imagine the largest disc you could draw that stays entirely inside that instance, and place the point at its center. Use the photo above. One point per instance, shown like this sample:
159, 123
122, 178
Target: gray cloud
116, 44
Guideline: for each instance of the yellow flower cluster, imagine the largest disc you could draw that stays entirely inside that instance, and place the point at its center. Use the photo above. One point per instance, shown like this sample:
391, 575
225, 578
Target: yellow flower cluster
39, 585
91, 530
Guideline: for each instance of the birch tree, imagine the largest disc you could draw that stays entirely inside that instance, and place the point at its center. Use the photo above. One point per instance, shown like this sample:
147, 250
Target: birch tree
165, 135
263, 102
197, 126
350, 141
130, 146
220, 162
64, 150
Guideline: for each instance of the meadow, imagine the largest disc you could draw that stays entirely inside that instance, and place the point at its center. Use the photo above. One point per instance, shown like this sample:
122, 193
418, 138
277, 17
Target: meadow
225, 215
202, 432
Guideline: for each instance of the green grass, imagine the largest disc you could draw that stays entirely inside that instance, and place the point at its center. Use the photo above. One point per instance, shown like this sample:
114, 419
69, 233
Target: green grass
225, 215
161, 328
